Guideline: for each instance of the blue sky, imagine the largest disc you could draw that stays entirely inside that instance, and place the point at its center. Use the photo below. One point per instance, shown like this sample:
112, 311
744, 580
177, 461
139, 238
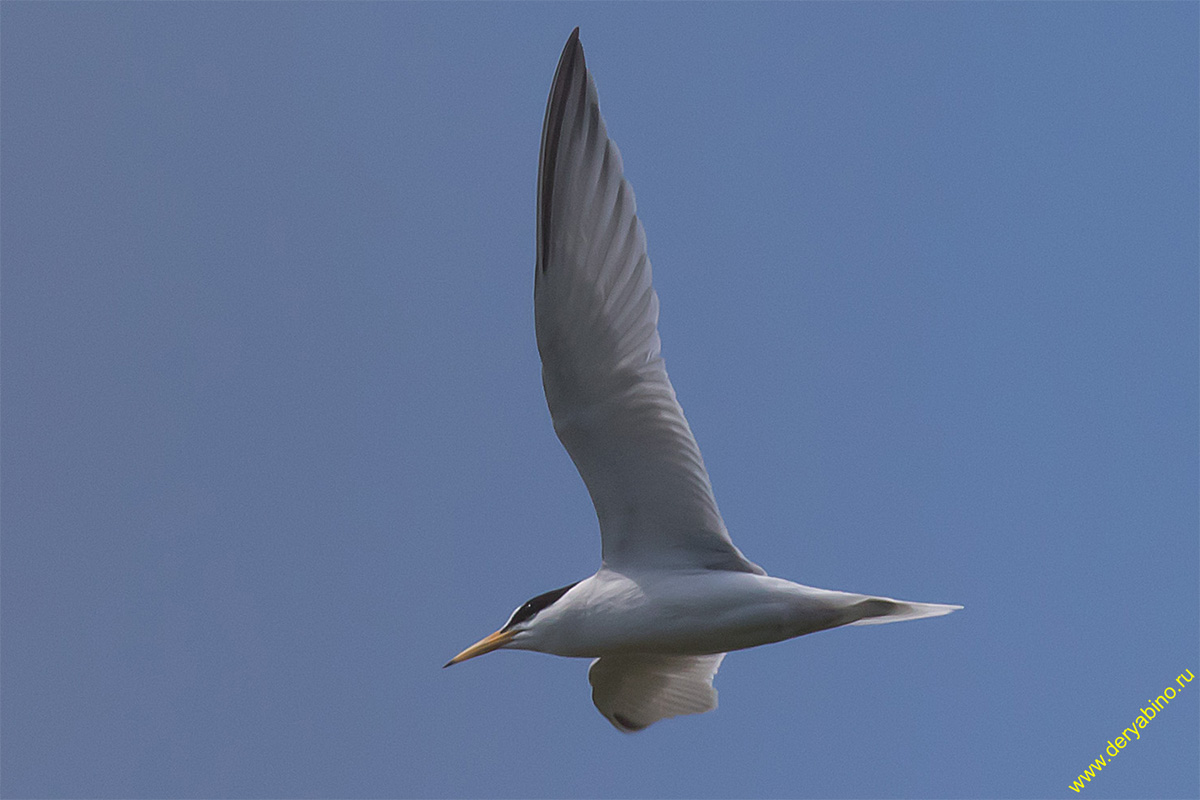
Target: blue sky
274, 443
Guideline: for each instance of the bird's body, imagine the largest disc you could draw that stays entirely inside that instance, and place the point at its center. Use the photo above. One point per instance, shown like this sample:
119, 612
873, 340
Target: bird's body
694, 612
673, 593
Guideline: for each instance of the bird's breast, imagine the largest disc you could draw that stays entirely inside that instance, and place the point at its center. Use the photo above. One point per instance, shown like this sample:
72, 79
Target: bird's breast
687, 613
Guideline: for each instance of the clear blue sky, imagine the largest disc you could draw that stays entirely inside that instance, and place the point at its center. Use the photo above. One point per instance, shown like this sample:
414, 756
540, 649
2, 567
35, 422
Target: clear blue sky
275, 447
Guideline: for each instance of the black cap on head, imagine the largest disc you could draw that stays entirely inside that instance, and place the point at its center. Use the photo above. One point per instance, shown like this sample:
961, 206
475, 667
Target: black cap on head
536, 604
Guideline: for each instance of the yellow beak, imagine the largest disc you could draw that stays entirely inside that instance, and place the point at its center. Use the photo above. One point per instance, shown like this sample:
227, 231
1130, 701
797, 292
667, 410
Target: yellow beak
484, 645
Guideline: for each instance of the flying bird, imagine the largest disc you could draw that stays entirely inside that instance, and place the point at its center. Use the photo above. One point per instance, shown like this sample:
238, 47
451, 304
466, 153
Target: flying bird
673, 594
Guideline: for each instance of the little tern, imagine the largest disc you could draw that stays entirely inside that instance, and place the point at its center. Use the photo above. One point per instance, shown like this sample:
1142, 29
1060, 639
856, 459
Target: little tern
673, 594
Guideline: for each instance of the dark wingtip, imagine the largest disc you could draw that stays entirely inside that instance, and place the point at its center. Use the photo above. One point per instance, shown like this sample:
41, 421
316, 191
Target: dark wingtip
449, 663
570, 65
572, 44
626, 725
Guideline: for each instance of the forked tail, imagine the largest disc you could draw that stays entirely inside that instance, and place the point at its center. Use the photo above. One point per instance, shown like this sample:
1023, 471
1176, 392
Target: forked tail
878, 610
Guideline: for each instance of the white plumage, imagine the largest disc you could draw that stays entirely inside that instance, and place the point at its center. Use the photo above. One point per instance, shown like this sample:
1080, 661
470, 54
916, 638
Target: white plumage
632, 691
673, 593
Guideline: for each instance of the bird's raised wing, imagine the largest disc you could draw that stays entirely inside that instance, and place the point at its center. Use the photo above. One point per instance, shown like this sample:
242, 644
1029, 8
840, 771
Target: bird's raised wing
634, 691
597, 331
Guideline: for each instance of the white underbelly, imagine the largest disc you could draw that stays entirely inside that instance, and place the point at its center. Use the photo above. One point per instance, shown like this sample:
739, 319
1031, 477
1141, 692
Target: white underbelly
693, 613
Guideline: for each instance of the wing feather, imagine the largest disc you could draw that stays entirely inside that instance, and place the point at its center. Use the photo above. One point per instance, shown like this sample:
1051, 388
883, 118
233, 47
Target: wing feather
637, 690
613, 407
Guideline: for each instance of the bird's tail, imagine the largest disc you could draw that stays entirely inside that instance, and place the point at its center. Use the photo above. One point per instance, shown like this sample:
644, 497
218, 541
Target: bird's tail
878, 610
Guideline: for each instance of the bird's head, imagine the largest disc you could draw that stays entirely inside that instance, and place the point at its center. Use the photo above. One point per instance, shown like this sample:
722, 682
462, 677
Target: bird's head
519, 631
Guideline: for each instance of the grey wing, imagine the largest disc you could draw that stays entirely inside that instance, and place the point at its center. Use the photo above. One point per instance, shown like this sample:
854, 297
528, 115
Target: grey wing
613, 407
635, 691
